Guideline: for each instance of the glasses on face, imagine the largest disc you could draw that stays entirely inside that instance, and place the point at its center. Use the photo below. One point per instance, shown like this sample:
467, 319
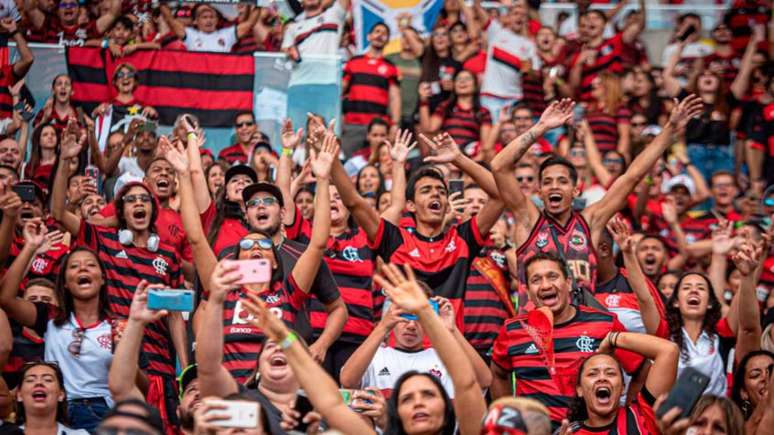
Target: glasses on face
527, 178
439, 34
108, 430
267, 201
638, 124
75, 346
143, 197
522, 118
577, 152
245, 124
247, 244
68, 5
124, 75
613, 161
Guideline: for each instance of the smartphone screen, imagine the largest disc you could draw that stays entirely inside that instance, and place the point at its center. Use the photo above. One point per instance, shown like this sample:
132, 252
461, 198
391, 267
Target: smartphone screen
687, 390
456, 185
303, 407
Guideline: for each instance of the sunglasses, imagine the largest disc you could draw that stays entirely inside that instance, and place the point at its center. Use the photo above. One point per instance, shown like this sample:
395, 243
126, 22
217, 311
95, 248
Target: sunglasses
68, 5
613, 161
769, 202
638, 124
247, 244
75, 346
527, 178
124, 75
120, 431
245, 124
575, 152
143, 197
267, 201
522, 118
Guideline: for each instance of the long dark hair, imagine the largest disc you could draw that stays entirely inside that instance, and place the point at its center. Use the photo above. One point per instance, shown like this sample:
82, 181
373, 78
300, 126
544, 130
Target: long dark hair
451, 103
378, 173
223, 167
675, 319
395, 425
431, 60
35, 152
578, 408
67, 307
224, 209
61, 406
739, 373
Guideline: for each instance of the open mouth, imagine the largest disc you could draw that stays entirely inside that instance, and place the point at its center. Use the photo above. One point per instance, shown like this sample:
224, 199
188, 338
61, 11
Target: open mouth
435, 206
278, 361
420, 416
84, 281
693, 301
603, 395
549, 297
139, 214
554, 199
162, 183
39, 395
262, 217
26, 214
650, 260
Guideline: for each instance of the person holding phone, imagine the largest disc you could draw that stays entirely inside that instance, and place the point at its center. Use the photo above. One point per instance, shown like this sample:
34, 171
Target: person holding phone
79, 334
286, 293
600, 386
711, 415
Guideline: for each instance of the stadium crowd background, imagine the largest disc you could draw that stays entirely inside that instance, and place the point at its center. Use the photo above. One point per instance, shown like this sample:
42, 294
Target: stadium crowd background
495, 225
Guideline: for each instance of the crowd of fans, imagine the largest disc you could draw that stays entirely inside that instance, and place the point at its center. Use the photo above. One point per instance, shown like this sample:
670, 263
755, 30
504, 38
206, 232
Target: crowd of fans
521, 228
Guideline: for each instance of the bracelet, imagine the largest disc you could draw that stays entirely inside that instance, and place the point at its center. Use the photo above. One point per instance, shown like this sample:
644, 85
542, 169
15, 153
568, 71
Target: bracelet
287, 152
190, 136
285, 344
614, 340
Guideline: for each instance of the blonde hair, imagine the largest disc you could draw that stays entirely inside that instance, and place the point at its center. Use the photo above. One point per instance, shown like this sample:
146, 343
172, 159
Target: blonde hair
613, 92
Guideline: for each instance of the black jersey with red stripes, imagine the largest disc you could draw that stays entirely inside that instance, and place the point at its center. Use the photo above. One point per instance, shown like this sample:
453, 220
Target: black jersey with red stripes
487, 298
369, 80
608, 58
636, 419
127, 265
442, 262
242, 341
574, 245
515, 350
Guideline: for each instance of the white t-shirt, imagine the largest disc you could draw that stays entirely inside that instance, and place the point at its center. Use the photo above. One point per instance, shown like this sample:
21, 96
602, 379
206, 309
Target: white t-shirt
318, 35
64, 430
502, 76
694, 50
85, 376
389, 364
705, 356
220, 40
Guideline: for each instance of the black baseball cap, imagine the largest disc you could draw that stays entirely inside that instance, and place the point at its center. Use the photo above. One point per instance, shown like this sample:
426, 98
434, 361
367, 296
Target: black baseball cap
262, 186
186, 377
243, 170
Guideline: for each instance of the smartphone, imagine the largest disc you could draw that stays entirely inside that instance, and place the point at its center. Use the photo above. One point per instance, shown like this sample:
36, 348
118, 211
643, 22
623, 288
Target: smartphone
409, 316
191, 121
26, 192
242, 414
686, 392
254, 271
687, 32
171, 300
303, 407
578, 113
456, 185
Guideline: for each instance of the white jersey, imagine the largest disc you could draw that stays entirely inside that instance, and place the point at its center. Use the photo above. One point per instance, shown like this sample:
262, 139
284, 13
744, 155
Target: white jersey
389, 364
504, 57
704, 356
221, 40
318, 35
86, 375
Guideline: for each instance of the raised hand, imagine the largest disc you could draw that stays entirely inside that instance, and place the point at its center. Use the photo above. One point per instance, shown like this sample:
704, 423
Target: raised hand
670, 423
392, 317
445, 150
139, 310
669, 210
289, 138
621, 234
264, 319
322, 160
10, 203
399, 151
8, 25
224, 279
175, 154
458, 206
15, 90
747, 257
722, 241
34, 233
557, 113
690, 107
402, 289
70, 147
446, 312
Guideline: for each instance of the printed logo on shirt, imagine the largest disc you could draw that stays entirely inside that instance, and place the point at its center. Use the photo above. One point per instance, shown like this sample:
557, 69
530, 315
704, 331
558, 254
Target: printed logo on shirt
350, 254
531, 350
241, 316
435, 371
122, 254
585, 344
542, 240
451, 247
415, 253
105, 341
39, 265
384, 372
160, 265
578, 241
613, 301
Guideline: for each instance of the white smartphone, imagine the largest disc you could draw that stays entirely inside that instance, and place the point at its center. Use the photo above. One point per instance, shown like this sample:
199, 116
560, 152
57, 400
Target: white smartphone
242, 414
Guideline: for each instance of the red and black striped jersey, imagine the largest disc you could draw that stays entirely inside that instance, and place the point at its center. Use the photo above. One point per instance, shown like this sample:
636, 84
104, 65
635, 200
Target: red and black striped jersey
230, 232
608, 59
352, 263
486, 294
636, 419
55, 32
368, 97
442, 262
574, 246
242, 342
604, 126
618, 296
125, 266
695, 229
7, 79
729, 64
464, 125
45, 265
573, 341
28, 346
741, 19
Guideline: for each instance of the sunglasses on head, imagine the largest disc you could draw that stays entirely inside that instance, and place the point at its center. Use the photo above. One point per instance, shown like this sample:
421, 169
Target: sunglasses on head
143, 197
247, 244
245, 124
267, 201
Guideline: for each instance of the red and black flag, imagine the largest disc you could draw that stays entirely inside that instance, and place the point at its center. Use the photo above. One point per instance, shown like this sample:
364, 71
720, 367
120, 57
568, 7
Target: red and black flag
212, 86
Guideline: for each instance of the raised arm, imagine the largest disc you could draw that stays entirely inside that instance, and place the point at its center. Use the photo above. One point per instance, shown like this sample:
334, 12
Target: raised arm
308, 264
651, 317
399, 152
742, 80
469, 404
290, 141
318, 385
245, 27
124, 370
633, 30
615, 199
722, 243
671, 84
480, 369
176, 26
109, 16
6, 338
214, 379
9, 205
17, 308
353, 370
663, 353
36, 17
366, 217
23, 64
70, 148
748, 335
556, 114
593, 155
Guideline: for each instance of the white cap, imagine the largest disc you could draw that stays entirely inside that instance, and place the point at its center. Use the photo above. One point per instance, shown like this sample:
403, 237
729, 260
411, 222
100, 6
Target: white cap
679, 180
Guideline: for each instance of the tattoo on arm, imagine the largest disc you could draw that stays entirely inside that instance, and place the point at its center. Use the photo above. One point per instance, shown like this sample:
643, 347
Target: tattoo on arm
527, 139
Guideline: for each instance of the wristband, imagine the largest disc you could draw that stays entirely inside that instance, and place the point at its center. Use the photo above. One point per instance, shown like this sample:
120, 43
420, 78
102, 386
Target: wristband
287, 152
190, 136
288, 341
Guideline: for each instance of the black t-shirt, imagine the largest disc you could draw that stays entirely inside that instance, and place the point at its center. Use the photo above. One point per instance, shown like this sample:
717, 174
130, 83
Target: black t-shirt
271, 414
706, 131
9, 429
